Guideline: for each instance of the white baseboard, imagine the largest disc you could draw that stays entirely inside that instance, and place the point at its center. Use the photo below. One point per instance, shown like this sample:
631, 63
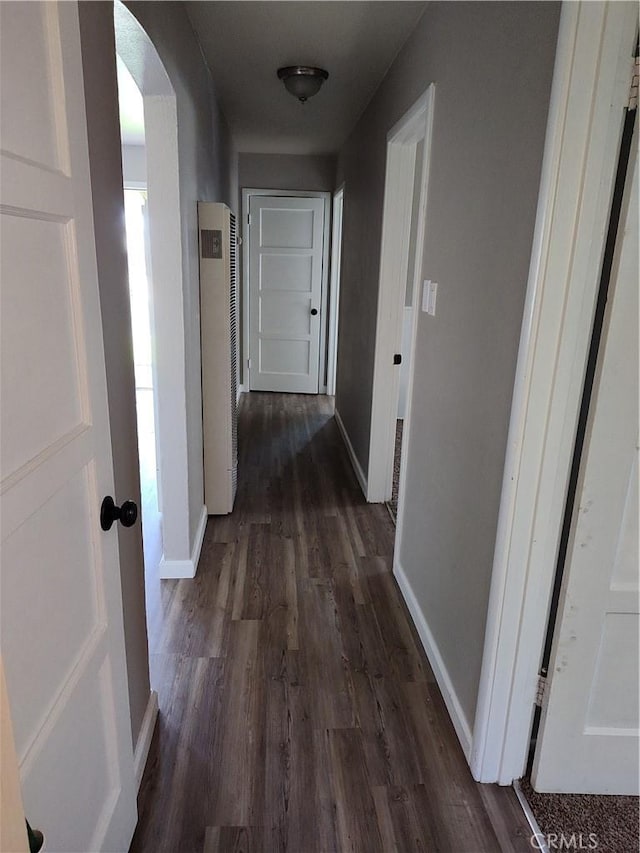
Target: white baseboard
352, 454
241, 390
176, 569
144, 737
458, 717
185, 568
197, 545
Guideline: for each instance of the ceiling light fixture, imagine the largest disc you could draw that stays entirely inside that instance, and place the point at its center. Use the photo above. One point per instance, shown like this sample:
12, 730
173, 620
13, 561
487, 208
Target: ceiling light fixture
302, 81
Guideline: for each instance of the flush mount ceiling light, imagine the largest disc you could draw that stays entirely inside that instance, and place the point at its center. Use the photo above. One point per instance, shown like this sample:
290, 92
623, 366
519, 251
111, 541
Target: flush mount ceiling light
302, 81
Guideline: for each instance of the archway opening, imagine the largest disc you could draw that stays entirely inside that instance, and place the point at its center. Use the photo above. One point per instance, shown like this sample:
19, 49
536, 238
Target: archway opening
148, 119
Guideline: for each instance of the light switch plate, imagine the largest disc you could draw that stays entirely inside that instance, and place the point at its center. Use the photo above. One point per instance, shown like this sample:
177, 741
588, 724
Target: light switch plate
425, 294
429, 293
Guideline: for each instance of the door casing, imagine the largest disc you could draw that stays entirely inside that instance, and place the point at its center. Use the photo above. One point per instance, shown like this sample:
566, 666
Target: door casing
587, 741
167, 283
334, 290
401, 168
589, 93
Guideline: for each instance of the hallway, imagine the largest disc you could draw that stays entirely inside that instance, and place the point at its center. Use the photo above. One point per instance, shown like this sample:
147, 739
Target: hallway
297, 710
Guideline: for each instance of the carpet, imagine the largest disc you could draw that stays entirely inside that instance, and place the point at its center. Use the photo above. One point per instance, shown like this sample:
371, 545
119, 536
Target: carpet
606, 824
393, 503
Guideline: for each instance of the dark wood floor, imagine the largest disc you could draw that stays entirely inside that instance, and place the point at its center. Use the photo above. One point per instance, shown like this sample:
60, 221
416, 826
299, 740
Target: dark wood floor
297, 710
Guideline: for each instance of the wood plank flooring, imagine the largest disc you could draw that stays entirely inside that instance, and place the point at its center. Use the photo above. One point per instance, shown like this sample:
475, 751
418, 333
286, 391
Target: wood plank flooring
297, 710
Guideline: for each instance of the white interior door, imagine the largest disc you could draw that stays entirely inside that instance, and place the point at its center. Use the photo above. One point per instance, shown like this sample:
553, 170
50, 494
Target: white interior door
588, 740
285, 291
60, 605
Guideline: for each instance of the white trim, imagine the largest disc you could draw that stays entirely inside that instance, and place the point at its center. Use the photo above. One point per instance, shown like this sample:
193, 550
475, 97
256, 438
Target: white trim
241, 390
247, 192
541, 839
355, 464
411, 127
169, 261
458, 717
176, 569
326, 244
590, 88
334, 289
417, 314
186, 568
199, 538
394, 257
145, 737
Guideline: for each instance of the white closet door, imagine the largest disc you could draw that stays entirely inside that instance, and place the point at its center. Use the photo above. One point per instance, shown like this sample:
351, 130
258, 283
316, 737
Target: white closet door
285, 282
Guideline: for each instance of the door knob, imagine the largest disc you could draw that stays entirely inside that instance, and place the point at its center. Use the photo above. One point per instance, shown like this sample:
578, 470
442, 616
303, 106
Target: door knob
314, 311
125, 514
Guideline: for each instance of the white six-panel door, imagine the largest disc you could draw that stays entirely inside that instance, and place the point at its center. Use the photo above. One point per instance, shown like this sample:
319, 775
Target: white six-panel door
589, 735
61, 608
285, 289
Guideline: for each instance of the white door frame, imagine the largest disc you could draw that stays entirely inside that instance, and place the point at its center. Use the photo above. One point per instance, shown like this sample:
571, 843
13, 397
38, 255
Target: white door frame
140, 56
590, 90
402, 141
247, 194
334, 289
588, 740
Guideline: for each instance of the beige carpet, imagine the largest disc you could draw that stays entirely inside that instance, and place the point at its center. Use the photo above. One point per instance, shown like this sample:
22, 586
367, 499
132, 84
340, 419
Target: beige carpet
393, 503
606, 824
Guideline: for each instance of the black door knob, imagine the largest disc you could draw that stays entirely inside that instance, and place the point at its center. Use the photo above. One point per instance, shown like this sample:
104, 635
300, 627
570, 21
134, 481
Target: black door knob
314, 311
126, 514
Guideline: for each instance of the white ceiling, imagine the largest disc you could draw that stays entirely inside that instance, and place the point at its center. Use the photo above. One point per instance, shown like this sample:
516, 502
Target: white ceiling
246, 42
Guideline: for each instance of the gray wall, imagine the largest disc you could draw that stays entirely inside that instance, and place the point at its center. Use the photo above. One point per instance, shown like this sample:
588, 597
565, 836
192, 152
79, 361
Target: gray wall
207, 171
287, 172
492, 65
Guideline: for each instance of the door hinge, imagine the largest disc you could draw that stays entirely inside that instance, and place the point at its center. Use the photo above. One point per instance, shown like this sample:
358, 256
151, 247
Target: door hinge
541, 690
248, 219
633, 92
249, 363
